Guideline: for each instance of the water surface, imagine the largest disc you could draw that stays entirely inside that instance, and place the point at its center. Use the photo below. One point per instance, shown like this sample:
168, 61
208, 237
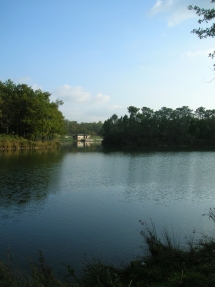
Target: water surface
89, 200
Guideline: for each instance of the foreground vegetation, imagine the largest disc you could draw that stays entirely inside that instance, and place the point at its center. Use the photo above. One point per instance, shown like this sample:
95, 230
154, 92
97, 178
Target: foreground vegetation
165, 264
166, 126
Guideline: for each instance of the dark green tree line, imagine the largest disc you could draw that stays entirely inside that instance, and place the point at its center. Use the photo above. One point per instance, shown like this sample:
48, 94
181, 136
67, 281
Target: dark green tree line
166, 126
28, 113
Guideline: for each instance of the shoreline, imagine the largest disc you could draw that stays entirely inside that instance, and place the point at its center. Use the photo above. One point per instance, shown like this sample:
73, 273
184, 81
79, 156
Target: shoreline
14, 143
164, 265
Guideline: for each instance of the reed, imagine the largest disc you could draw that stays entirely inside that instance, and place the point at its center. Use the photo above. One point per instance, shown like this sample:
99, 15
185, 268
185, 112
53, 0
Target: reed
165, 265
16, 143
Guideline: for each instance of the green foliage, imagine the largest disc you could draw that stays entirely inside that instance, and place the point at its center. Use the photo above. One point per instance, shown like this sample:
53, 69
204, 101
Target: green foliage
42, 274
99, 274
175, 266
28, 113
208, 15
165, 265
18, 143
166, 126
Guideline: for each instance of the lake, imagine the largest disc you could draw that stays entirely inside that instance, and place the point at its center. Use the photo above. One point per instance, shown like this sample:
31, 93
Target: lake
88, 200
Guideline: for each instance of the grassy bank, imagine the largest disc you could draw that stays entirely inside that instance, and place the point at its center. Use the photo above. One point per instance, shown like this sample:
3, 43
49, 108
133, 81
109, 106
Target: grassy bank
166, 264
17, 143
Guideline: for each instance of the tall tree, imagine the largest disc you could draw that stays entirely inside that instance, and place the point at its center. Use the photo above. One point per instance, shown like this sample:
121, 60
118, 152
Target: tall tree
166, 126
28, 113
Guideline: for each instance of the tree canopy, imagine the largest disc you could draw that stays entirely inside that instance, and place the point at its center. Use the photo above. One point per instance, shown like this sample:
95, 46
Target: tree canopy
28, 113
207, 15
166, 126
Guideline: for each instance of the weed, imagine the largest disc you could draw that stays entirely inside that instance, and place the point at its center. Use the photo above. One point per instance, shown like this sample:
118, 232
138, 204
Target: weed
16, 143
165, 265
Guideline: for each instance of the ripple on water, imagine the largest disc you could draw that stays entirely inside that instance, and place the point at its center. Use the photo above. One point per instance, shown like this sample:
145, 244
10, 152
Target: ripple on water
69, 203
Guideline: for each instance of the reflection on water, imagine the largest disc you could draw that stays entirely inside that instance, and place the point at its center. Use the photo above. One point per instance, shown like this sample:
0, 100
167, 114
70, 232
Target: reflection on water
83, 144
27, 176
90, 199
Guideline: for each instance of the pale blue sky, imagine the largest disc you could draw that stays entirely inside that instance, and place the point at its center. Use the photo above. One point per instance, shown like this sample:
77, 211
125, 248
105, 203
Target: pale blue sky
100, 57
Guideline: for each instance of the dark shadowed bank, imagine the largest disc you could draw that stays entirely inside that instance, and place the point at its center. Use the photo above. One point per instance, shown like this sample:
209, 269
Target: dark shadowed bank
164, 263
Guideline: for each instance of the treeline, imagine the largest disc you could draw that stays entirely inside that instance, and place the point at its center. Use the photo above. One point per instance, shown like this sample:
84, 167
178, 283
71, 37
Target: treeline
72, 128
166, 126
29, 114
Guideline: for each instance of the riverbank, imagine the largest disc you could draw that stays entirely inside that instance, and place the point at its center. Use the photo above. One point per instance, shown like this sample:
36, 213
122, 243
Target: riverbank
143, 144
165, 264
18, 143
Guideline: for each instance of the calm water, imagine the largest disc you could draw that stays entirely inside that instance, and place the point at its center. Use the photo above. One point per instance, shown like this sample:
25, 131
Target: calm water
89, 200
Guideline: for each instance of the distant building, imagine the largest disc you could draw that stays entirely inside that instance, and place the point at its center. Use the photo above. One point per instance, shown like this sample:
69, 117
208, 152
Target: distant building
81, 137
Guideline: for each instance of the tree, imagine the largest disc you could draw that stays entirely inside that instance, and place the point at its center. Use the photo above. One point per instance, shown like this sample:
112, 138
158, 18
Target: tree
166, 126
133, 111
147, 112
200, 112
208, 15
28, 113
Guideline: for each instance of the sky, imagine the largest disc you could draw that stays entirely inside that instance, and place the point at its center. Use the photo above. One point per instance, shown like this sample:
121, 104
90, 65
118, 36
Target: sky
101, 56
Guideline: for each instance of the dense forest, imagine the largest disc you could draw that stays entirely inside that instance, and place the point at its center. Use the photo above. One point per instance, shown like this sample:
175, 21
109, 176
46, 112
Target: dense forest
166, 126
30, 114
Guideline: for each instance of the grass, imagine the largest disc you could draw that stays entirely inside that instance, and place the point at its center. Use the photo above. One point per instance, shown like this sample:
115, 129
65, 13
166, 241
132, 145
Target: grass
18, 143
165, 264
